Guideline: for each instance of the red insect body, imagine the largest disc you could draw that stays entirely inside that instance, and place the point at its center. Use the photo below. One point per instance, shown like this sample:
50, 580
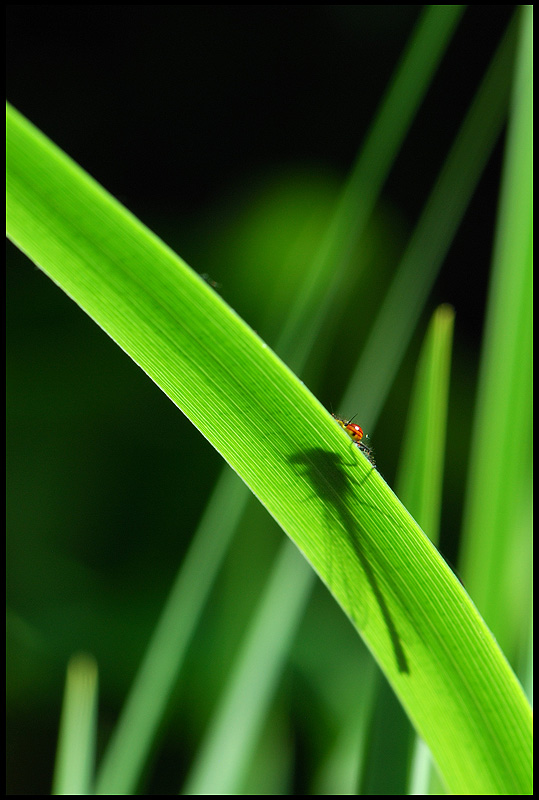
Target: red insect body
355, 432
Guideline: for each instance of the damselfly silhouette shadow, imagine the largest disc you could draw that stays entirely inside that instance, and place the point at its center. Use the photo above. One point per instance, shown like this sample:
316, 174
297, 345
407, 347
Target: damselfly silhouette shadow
330, 482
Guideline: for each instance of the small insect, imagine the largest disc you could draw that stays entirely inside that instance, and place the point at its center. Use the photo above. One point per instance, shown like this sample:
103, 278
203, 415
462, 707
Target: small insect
355, 432
212, 283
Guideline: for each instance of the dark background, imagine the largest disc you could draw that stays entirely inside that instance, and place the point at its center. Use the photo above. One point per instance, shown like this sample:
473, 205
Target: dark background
180, 111
173, 108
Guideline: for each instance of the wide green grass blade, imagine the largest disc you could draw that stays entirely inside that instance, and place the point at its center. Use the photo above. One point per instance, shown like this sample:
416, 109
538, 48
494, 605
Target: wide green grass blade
412, 612
125, 755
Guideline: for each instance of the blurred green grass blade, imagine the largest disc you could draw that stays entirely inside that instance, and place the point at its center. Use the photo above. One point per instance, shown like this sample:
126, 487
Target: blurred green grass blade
410, 609
431, 239
341, 770
74, 768
131, 740
420, 473
413, 76
130, 743
324, 291
394, 325
495, 543
433, 235
222, 760
421, 466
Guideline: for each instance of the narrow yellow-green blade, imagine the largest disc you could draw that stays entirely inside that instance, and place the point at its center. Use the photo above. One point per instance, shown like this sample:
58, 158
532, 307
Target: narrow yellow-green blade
74, 769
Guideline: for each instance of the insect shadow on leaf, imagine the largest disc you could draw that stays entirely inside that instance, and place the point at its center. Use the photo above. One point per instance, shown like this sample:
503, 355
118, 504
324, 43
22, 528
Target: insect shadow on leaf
329, 480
